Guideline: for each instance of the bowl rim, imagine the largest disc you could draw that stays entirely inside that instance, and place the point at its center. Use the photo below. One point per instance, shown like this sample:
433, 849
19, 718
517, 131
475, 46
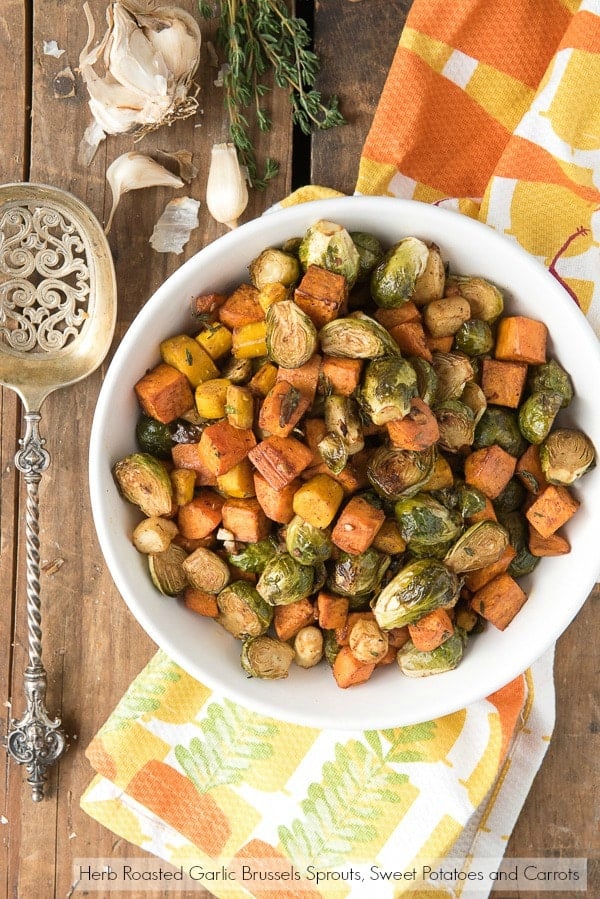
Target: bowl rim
440, 703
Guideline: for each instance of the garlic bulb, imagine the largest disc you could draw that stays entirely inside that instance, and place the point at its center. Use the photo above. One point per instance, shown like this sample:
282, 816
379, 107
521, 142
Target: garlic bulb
131, 171
147, 60
226, 188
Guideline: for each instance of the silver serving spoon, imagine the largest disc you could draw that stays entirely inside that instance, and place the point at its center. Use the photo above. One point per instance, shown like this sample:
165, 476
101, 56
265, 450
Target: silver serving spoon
57, 318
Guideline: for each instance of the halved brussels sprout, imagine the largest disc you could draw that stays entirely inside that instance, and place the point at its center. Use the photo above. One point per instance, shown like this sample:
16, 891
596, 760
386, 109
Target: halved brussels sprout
370, 253
511, 498
418, 663
306, 543
482, 544
518, 531
425, 521
430, 284
537, 414
500, 425
274, 266
206, 571
167, 571
291, 336
566, 455
457, 426
485, 300
334, 452
453, 370
242, 611
330, 246
474, 337
426, 378
285, 580
463, 498
418, 588
474, 397
393, 281
342, 418
266, 657
395, 473
357, 336
144, 481
551, 378
358, 575
388, 386
238, 371
153, 437
254, 556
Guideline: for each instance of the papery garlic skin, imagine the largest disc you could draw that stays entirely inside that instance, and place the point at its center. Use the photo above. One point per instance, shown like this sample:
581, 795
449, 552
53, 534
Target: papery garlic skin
226, 188
132, 171
148, 56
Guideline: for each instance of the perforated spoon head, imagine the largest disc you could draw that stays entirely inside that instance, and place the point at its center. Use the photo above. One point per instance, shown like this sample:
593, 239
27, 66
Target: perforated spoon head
58, 297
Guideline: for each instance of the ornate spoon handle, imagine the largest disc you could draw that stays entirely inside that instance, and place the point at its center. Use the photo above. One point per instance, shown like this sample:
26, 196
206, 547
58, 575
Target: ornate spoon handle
36, 740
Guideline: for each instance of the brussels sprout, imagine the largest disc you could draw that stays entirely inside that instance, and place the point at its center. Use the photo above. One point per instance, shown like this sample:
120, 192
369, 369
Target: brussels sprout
474, 338
453, 370
188, 428
206, 571
254, 556
511, 498
518, 531
537, 414
367, 642
274, 266
285, 580
331, 647
430, 284
242, 611
550, 377
238, 371
470, 500
357, 336
144, 481
388, 385
500, 425
485, 300
291, 336
393, 281
457, 426
306, 543
425, 521
418, 663
418, 588
482, 544
292, 245
308, 646
334, 452
395, 473
566, 455
342, 418
330, 246
153, 437
266, 657
426, 378
474, 397
370, 253
358, 575
166, 570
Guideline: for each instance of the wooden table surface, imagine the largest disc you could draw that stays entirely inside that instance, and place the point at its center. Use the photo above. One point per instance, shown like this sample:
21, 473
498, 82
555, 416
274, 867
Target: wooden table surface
93, 647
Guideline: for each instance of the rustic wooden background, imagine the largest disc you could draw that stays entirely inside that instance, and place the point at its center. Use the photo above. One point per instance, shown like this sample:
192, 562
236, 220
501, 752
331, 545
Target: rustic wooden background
92, 646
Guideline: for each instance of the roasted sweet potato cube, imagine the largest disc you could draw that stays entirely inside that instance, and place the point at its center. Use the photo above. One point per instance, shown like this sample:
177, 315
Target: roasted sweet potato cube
503, 382
289, 619
245, 519
321, 294
305, 377
341, 375
200, 517
222, 446
389, 318
489, 469
348, 671
431, 630
187, 455
553, 545
475, 580
529, 470
411, 339
241, 307
551, 509
357, 526
282, 409
164, 393
521, 339
499, 601
280, 459
203, 603
332, 610
418, 430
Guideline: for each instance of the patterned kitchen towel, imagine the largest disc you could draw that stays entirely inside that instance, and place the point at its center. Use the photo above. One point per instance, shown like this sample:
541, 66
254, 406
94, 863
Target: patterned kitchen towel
491, 109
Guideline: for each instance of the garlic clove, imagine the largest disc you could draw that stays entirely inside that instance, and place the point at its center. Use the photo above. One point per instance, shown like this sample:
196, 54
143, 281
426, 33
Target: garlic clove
132, 171
175, 36
132, 60
226, 188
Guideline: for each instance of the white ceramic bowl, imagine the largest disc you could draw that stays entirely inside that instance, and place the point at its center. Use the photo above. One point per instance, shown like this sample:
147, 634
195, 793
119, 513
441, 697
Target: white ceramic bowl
558, 587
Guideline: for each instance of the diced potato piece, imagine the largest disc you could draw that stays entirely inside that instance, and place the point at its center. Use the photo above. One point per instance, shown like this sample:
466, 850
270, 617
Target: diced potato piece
348, 671
553, 545
216, 340
282, 409
318, 500
412, 339
188, 357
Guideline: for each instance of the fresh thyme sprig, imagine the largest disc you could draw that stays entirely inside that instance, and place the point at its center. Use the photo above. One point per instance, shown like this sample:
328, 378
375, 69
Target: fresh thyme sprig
258, 37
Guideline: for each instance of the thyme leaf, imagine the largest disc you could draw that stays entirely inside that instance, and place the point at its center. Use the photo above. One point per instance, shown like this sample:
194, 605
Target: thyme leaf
260, 37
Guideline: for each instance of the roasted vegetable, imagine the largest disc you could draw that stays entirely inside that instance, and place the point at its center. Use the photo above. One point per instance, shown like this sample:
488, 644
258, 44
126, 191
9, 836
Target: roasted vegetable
388, 386
308, 646
524, 561
420, 587
550, 377
284, 580
334, 452
480, 545
330, 246
395, 473
167, 571
358, 336
144, 481
266, 657
426, 524
306, 543
254, 556
154, 535
394, 279
452, 370
456, 423
474, 337
418, 663
358, 575
242, 611
153, 437
342, 419
426, 378
500, 426
206, 571
370, 253
367, 642
565, 455
485, 300
537, 414
274, 266
291, 337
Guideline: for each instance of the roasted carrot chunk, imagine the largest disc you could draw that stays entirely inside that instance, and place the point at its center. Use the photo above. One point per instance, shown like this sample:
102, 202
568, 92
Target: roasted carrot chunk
164, 393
